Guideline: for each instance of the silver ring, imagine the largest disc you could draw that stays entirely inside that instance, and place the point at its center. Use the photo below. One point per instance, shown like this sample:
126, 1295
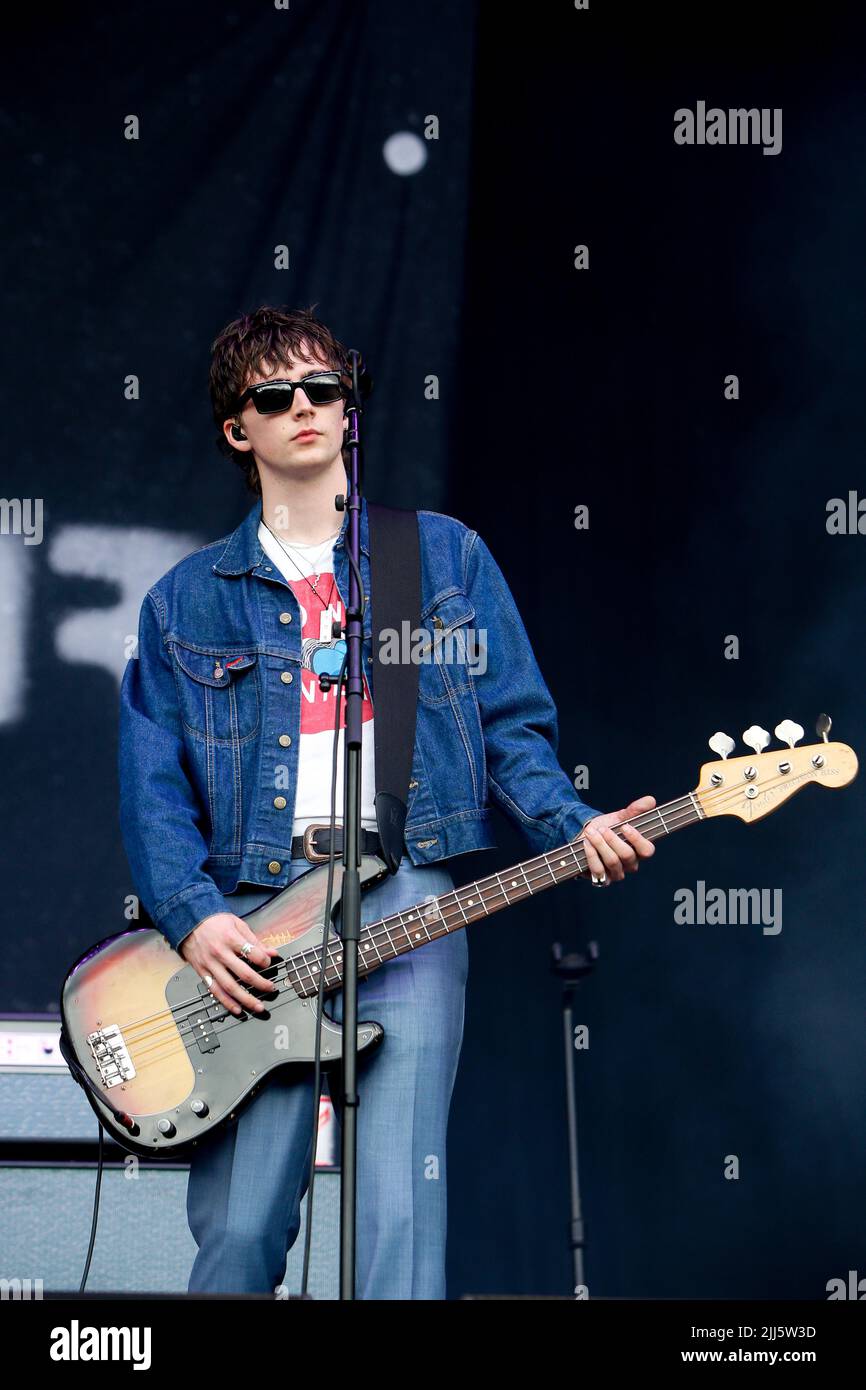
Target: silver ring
208, 979
599, 882
246, 949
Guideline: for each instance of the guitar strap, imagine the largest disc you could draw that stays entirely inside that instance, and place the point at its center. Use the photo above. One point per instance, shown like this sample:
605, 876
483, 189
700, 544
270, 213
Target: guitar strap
395, 598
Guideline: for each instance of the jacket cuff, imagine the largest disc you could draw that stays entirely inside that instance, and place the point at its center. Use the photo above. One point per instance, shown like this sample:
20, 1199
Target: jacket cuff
179, 915
573, 820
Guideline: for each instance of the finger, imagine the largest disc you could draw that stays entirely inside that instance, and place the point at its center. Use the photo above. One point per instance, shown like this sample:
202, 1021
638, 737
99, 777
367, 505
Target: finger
594, 865
241, 971
643, 803
642, 845
611, 855
235, 990
220, 994
626, 852
607, 859
249, 935
263, 957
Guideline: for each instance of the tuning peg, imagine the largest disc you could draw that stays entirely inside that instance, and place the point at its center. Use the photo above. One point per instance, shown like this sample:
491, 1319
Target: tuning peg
789, 732
823, 725
722, 744
756, 737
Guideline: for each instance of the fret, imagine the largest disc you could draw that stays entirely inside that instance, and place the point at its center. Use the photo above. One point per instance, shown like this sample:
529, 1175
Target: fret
384, 924
700, 812
403, 927
662, 819
525, 879
369, 943
549, 869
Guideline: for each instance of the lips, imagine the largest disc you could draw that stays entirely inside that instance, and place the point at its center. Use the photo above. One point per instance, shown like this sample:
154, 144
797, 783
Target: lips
307, 434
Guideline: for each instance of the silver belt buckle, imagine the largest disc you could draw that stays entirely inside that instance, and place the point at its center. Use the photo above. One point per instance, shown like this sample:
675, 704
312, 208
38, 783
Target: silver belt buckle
315, 856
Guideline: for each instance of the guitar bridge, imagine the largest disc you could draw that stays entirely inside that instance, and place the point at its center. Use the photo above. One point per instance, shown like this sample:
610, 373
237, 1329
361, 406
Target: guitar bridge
111, 1056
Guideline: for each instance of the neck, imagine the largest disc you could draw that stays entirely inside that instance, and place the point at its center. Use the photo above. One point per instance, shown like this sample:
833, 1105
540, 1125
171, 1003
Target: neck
415, 926
301, 509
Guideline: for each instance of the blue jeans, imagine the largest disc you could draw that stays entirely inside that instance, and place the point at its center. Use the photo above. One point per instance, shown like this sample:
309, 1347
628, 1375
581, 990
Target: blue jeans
247, 1180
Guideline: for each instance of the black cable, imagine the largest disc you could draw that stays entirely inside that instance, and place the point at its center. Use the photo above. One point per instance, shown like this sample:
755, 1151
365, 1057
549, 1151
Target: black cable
99, 1163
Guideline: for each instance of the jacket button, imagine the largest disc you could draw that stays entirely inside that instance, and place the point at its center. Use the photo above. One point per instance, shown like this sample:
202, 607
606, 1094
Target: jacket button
286, 677
280, 803
285, 617
274, 867
285, 740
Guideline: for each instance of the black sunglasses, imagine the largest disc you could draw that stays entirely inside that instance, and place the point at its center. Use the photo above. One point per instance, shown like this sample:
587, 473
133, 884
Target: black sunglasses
320, 388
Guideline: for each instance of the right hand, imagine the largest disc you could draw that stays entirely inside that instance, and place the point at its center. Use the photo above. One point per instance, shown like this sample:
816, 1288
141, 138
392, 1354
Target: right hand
212, 949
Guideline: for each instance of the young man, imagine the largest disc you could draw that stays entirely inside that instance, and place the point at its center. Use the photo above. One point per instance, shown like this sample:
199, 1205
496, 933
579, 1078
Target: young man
226, 745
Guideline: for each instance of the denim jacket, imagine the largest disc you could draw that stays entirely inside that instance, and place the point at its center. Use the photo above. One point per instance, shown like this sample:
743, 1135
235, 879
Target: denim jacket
210, 714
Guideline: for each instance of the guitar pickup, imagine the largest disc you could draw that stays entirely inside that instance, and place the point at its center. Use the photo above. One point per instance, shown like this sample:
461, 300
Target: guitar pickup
111, 1056
201, 1023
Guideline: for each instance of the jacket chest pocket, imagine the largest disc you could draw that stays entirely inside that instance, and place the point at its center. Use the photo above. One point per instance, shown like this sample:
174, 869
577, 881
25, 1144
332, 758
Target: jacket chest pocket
218, 692
448, 655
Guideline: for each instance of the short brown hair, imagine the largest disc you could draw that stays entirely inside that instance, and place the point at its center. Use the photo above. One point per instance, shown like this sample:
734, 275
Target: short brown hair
266, 335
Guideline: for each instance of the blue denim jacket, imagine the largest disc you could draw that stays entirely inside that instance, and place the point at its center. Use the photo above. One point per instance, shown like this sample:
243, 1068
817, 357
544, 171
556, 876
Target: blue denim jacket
210, 715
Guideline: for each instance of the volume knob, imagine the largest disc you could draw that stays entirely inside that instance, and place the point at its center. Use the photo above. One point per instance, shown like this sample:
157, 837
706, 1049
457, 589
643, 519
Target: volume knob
200, 1108
166, 1127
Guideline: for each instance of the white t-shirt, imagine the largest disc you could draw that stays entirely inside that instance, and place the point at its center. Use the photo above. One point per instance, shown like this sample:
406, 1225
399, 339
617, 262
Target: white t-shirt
319, 652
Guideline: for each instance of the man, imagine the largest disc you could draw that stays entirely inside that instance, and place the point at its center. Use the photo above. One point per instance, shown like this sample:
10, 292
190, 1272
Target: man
226, 745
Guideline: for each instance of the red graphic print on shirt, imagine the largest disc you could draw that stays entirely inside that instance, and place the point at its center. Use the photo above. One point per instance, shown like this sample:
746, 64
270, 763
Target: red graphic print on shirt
320, 652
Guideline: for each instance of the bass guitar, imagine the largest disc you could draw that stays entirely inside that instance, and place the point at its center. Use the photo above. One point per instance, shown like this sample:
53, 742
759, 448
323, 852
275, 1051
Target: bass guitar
162, 1062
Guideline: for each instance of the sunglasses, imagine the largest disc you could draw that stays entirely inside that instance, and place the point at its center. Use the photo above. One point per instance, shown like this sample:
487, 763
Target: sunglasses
268, 397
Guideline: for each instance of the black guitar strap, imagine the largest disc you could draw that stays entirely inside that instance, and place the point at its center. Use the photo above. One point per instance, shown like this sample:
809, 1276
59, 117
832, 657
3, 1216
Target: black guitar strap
395, 598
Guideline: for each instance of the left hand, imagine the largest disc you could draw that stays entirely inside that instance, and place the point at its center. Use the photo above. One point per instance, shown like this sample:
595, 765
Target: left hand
615, 855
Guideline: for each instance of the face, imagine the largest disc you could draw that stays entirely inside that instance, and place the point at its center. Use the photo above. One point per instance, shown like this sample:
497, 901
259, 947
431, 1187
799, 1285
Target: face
303, 439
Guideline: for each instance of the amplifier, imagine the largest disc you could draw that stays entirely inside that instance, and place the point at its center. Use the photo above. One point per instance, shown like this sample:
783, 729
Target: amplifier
48, 1144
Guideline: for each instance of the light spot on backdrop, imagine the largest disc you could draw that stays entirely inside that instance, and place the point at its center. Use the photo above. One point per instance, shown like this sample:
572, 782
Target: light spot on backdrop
404, 152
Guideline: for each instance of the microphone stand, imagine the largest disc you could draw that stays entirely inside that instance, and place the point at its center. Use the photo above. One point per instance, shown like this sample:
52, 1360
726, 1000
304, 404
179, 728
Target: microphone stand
350, 896
571, 969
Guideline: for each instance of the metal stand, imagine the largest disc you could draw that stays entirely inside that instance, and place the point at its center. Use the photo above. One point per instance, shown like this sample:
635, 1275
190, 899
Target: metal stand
571, 969
350, 896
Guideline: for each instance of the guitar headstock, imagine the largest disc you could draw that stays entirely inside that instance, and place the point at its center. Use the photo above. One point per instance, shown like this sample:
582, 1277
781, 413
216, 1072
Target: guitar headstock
753, 786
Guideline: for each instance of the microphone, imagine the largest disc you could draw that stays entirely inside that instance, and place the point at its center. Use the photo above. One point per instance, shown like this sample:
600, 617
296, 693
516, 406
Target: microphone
362, 382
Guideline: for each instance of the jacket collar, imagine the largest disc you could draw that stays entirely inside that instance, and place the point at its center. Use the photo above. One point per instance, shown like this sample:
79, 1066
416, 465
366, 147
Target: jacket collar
244, 550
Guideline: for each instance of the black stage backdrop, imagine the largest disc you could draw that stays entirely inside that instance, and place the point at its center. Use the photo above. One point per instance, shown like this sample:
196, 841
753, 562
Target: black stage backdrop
429, 172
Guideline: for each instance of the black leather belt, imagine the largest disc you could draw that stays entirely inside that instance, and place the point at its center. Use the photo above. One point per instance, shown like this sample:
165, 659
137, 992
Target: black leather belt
315, 843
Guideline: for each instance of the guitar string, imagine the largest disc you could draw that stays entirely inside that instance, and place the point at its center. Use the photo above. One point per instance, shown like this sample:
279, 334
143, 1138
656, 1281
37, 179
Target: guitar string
679, 812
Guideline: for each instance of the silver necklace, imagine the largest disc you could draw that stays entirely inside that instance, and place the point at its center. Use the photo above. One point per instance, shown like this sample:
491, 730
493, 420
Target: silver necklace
312, 583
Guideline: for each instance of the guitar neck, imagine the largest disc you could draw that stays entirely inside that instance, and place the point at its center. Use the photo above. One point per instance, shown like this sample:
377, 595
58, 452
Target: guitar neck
417, 925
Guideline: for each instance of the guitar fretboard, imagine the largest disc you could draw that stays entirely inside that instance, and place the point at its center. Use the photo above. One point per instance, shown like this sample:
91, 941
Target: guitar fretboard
423, 922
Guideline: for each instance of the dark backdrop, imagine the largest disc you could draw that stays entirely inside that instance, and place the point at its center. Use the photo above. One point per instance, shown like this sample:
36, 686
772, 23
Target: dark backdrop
556, 387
